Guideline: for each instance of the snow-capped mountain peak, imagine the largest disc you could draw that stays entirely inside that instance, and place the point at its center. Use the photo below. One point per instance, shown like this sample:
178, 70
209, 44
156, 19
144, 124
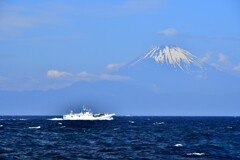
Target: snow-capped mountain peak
173, 56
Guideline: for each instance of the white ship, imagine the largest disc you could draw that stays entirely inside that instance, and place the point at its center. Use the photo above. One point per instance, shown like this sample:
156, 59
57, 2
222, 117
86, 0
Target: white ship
86, 114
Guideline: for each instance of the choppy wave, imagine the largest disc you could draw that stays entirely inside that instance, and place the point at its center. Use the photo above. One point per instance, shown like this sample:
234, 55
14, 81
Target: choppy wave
55, 119
131, 121
115, 129
37, 127
158, 123
13, 119
179, 138
178, 145
195, 154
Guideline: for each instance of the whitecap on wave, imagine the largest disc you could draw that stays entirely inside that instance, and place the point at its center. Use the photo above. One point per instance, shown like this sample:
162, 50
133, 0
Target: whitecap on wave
158, 123
38, 127
1, 125
131, 121
195, 154
55, 119
116, 129
21, 119
178, 145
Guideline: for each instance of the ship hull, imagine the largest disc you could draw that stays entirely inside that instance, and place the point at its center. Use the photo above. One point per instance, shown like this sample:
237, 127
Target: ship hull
90, 118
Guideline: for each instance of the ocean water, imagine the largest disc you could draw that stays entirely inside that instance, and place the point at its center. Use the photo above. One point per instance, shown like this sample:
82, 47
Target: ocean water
122, 138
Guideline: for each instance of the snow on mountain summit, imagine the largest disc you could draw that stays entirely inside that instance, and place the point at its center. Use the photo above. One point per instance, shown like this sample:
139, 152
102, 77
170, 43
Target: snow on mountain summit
173, 56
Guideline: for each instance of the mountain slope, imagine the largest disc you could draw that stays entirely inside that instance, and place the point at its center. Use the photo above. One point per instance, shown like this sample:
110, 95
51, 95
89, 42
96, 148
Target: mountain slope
174, 57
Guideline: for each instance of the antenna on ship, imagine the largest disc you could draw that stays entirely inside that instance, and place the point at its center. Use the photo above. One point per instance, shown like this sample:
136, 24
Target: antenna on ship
85, 109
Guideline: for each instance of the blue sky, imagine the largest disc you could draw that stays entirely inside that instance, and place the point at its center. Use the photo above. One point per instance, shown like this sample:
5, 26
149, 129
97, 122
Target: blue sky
41, 41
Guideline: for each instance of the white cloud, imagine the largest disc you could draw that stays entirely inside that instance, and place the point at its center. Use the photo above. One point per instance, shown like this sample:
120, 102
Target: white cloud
206, 57
113, 66
168, 32
220, 62
222, 58
237, 68
57, 74
64, 79
83, 76
54, 79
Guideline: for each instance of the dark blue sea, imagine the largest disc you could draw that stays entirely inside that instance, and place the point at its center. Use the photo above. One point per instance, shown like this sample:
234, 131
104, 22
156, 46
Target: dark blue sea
122, 138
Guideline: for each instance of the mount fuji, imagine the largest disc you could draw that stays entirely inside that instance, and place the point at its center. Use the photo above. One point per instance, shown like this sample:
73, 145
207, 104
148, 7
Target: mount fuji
174, 57
176, 69
167, 63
